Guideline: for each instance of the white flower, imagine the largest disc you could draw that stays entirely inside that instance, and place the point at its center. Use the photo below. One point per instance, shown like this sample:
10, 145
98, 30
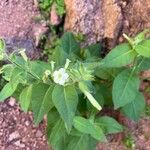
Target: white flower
60, 76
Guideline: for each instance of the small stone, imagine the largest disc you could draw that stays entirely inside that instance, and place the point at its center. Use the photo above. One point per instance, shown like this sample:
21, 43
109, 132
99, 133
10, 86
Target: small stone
14, 135
12, 102
39, 134
27, 123
19, 144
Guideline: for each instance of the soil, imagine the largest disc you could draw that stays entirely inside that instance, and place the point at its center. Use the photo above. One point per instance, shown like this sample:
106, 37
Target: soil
17, 131
18, 27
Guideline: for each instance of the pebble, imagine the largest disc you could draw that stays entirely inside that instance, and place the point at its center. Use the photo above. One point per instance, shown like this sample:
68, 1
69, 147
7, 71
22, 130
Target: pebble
39, 134
14, 135
19, 144
12, 102
27, 123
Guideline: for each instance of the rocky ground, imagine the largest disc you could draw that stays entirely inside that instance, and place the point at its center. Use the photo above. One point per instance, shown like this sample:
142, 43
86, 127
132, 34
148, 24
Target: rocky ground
19, 28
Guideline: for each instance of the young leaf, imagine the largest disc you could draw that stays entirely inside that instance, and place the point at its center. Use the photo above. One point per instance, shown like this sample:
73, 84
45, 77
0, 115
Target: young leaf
7, 91
86, 126
125, 88
41, 101
25, 98
121, 55
65, 100
57, 135
141, 36
134, 109
85, 89
69, 44
109, 124
2, 48
143, 48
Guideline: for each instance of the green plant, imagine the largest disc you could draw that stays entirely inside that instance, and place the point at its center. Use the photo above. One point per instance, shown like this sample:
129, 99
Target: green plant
129, 142
45, 5
75, 85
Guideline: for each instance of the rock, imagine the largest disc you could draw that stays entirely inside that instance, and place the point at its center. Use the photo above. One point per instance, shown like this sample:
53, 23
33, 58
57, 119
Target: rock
39, 134
112, 18
95, 19
54, 18
27, 123
137, 13
14, 135
12, 101
17, 44
19, 144
85, 17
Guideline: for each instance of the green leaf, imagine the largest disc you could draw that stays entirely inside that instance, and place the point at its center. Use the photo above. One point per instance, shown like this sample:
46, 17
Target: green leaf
143, 48
94, 50
65, 100
121, 55
38, 68
134, 109
144, 64
109, 124
141, 36
17, 76
107, 73
57, 135
85, 89
7, 91
59, 56
78, 143
69, 44
41, 101
125, 88
2, 49
25, 98
86, 126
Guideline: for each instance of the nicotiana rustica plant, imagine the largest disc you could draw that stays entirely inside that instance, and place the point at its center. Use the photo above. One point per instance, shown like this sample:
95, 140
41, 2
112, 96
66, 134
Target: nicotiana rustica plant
76, 85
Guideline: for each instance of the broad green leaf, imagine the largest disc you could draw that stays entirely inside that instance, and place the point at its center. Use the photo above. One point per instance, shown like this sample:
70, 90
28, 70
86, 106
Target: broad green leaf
7, 71
78, 143
86, 126
69, 44
143, 48
59, 56
107, 73
143, 64
106, 92
134, 109
19, 61
109, 125
17, 76
25, 98
7, 91
41, 101
38, 68
57, 135
121, 55
94, 50
125, 88
65, 100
